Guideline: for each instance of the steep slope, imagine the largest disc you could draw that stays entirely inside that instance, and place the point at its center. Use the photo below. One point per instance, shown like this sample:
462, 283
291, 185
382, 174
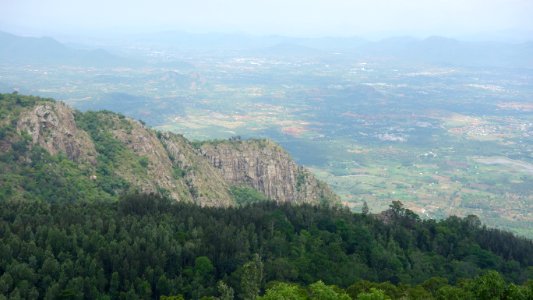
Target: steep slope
268, 168
206, 183
103, 153
135, 153
52, 126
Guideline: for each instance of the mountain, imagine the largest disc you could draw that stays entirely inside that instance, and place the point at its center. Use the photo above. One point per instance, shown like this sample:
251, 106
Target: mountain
405, 50
289, 50
446, 51
101, 155
45, 50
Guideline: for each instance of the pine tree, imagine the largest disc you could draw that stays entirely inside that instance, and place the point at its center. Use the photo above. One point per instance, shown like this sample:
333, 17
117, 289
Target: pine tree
251, 278
365, 210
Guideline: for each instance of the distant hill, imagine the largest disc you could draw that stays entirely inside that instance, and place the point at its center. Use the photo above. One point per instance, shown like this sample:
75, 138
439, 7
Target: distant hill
439, 50
45, 50
432, 50
287, 50
210, 42
405, 50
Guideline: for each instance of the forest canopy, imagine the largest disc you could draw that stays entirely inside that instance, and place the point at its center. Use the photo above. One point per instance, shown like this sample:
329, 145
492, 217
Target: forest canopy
147, 246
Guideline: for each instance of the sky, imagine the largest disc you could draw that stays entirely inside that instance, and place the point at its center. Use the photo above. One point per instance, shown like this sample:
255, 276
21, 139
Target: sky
264, 17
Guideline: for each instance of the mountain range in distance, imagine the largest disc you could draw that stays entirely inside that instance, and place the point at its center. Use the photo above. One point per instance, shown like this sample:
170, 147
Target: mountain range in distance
432, 50
48, 51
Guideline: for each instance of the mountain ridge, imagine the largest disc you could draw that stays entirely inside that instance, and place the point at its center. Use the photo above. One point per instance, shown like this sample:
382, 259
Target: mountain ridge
16, 49
116, 154
433, 49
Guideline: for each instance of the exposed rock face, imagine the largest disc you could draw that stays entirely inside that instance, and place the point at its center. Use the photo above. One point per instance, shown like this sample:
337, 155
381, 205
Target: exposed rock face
159, 173
268, 168
52, 127
167, 163
200, 176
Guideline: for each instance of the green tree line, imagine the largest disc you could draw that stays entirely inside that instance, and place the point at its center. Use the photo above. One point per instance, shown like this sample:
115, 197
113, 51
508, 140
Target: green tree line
147, 247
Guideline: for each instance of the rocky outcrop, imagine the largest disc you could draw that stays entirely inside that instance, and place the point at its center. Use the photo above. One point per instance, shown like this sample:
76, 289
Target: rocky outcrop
52, 126
108, 146
158, 172
205, 182
265, 166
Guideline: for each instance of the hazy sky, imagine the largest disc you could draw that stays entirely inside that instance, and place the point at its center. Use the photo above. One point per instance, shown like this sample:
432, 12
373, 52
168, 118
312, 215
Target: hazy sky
287, 17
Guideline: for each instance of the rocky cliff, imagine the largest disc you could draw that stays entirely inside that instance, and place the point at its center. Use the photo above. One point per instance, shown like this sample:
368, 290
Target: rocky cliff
51, 125
116, 155
265, 166
203, 180
156, 171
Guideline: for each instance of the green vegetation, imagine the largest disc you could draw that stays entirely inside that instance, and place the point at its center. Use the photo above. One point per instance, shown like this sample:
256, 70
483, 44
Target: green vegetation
216, 142
45, 177
179, 172
234, 141
246, 195
29, 172
300, 179
143, 161
146, 246
111, 152
11, 105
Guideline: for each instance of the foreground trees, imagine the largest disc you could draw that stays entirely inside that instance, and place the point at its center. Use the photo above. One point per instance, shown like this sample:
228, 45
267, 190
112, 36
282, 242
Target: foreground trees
146, 247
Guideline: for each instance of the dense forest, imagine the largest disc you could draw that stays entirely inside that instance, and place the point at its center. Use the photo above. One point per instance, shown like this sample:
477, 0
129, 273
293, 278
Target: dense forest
147, 247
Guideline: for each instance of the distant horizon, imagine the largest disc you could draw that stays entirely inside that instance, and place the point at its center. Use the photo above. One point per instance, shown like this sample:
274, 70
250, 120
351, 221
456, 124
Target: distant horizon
515, 37
499, 20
